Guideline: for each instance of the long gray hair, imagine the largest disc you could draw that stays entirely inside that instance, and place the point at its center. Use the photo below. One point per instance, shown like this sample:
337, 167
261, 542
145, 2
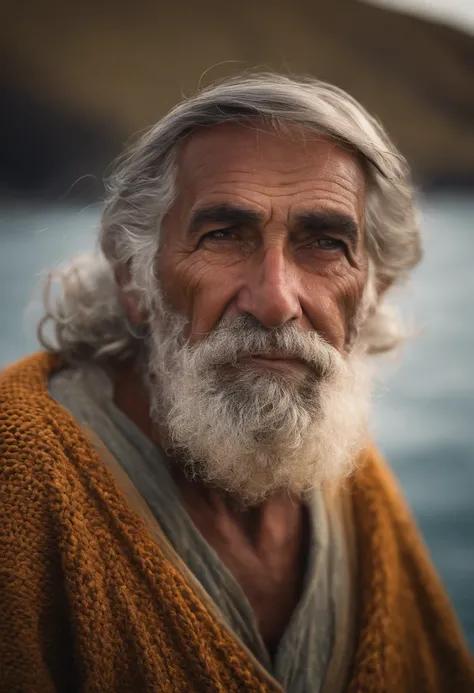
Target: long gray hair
87, 317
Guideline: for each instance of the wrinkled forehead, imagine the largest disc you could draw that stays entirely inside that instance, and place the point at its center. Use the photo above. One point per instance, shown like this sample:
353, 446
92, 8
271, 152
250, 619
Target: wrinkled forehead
274, 160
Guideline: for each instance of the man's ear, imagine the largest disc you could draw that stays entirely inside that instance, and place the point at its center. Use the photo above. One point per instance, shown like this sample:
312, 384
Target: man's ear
130, 298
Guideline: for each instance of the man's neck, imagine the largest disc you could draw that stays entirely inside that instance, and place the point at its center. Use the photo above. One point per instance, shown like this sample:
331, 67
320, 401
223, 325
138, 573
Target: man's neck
264, 547
131, 397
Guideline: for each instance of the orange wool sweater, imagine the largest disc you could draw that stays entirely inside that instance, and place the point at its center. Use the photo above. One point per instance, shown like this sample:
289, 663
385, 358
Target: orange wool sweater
90, 602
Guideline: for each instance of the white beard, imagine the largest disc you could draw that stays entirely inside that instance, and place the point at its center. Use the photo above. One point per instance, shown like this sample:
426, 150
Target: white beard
251, 431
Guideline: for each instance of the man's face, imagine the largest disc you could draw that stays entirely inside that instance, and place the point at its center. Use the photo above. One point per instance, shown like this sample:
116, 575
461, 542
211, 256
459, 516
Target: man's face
265, 224
262, 271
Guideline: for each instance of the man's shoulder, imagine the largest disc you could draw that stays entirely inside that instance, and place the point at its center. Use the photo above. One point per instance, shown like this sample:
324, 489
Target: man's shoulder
30, 420
24, 391
28, 376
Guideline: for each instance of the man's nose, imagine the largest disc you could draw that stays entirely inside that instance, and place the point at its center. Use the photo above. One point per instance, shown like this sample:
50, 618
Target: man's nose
270, 292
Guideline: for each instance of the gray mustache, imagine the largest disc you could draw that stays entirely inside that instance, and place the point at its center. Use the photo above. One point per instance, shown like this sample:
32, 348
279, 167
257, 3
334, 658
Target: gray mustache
243, 336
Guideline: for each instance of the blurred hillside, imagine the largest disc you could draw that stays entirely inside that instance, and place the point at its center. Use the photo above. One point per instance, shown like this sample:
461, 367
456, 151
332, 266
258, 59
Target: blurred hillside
77, 80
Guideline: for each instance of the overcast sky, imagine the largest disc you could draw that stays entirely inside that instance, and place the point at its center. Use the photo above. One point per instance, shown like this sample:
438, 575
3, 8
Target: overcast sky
459, 13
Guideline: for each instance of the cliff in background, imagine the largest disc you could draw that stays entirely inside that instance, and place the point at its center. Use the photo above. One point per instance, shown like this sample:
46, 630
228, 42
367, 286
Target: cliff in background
78, 80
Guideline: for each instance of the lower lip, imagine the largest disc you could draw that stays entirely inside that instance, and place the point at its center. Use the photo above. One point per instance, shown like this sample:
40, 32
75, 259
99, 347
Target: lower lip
278, 364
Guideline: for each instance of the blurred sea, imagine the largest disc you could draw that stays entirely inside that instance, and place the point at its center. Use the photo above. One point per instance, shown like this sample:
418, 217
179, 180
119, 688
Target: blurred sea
424, 407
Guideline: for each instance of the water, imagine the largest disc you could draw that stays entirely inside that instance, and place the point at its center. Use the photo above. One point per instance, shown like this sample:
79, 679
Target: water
424, 411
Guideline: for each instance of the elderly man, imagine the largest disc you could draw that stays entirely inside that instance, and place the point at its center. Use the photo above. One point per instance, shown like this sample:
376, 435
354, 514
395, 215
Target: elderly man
189, 497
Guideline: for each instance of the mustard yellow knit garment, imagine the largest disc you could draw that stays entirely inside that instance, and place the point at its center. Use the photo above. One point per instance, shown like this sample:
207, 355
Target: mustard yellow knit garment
89, 602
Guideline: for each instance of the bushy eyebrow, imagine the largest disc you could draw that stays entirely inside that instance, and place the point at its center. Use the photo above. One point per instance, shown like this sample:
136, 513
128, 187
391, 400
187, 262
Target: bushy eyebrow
319, 221
331, 222
228, 214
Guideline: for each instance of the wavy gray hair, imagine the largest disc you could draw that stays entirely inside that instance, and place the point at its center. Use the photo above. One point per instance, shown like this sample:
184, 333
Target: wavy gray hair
88, 319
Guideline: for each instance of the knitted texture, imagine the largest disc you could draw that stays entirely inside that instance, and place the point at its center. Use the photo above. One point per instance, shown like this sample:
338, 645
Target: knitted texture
88, 601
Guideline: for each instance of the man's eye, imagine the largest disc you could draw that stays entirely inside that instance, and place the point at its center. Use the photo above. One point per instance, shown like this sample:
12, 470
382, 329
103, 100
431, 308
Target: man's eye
220, 235
330, 244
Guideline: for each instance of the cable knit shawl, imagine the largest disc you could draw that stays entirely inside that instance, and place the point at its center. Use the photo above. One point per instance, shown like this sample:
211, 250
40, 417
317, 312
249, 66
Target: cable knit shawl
90, 602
